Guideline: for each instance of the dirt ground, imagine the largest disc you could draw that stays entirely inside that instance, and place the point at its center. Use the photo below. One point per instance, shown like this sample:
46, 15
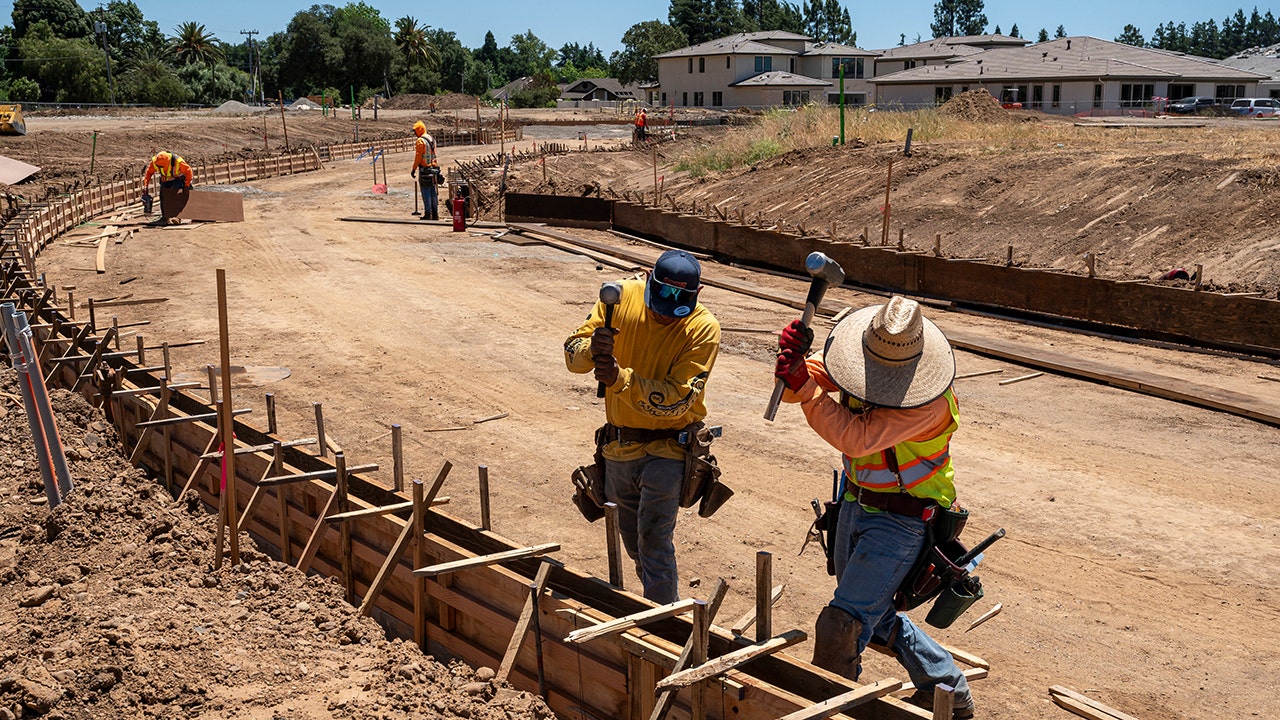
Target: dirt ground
1140, 561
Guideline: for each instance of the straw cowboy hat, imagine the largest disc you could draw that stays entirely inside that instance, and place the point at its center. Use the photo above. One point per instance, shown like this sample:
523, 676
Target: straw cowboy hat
890, 355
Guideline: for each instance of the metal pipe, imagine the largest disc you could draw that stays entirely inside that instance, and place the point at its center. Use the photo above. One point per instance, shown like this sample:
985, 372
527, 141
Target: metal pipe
7, 311
40, 394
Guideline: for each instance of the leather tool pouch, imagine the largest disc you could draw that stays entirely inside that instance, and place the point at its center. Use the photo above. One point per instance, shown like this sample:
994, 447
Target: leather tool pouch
935, 569
826, 526
588, 483
702, 474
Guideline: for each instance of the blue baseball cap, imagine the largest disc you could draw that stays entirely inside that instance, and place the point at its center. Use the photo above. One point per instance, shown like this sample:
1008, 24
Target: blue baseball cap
672, 289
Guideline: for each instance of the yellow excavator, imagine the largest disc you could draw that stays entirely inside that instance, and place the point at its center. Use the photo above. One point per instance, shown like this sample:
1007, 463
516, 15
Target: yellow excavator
11, 122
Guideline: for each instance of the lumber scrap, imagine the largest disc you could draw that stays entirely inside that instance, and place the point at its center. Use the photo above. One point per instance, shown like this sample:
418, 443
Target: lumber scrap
749, 618
1085, 706
485, 560
845, 701
666, 697
634, 620
732, 660
316, 475
402, 542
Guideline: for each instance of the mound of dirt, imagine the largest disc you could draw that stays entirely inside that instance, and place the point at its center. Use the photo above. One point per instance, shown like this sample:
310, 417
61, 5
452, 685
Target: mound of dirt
975, 106
235, 107
448, 101
112, 608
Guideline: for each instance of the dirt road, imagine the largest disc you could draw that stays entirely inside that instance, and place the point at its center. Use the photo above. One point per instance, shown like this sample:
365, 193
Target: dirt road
1139, 566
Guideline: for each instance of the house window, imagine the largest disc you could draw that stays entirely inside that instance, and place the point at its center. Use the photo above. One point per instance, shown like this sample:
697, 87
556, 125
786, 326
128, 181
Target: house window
849, 98
690, 66
1177, 91
852, 67
1057, 95
964, 88
702, 65
717, 99
1037, 96
684, 99
1228, 92
728, 59
791, 64
664, 98
908, 64
1097, 95
792, 98
942, 93
1136, 94
764, 63
697, 99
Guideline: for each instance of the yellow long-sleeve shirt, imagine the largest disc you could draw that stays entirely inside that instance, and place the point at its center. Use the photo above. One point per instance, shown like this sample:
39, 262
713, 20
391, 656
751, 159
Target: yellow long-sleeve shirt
663, 370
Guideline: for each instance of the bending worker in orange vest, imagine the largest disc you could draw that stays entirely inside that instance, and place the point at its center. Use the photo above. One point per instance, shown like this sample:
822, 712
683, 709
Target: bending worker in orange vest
174, 173
880, 393
427, 169
642, 122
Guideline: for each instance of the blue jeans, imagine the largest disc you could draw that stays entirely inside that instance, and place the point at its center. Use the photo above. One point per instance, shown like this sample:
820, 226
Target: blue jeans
647, 493
430, 195
874, 551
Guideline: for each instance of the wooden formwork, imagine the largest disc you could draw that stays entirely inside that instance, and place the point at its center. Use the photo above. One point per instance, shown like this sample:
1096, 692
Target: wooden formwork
469, 614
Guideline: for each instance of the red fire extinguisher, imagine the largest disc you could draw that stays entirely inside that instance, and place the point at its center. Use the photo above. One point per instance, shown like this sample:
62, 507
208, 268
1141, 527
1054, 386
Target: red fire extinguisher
459, 214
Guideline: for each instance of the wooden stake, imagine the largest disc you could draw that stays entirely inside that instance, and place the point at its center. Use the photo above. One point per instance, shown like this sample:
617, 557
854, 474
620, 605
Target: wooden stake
283, 126
397, 458
213, 384
901, 241
168, 368
937, 244
344, 532
764, 596
1008, 258
985, 616
142, 351
485, 521
979, 373
1199, 275
944, 700
656, 198
701, 634
884, 223
271, 414
666, 697
324, 446
614, 544
228, 424
1089, 261
531, 607
282, 502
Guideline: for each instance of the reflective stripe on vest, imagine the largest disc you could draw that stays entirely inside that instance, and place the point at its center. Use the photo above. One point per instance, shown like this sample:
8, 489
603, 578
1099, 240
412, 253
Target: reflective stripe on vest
172, 171
918, 462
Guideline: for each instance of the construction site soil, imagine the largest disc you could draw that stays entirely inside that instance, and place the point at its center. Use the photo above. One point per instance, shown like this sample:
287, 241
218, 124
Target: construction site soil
1140, 563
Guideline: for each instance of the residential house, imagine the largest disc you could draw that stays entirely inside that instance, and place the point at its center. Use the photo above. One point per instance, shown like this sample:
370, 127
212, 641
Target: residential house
1068, 76
760, 69
939, 51
1263, 60
602, 89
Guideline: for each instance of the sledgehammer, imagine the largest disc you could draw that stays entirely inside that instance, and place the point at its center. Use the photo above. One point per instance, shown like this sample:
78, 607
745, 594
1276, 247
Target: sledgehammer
825, 271
610, 294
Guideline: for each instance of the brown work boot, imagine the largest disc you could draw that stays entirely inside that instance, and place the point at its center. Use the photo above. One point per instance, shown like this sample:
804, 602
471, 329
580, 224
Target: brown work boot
924, 700
835, 642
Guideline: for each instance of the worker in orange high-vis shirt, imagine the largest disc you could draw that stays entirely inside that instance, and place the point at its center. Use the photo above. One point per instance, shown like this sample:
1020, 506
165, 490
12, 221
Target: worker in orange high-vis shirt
174, 173
642, 125
427, 169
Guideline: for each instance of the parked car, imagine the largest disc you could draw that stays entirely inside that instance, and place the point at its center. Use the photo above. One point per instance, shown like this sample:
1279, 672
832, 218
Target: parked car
1190, 105
1256, 107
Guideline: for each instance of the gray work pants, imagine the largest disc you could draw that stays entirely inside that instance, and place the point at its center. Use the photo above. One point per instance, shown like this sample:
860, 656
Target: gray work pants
647, 492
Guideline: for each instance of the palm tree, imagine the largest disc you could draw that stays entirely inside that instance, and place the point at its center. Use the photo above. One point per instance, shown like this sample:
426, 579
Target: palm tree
412, 40
194, 44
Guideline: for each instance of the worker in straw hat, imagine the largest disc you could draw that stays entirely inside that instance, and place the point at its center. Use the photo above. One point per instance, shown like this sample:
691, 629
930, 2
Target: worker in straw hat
880, 393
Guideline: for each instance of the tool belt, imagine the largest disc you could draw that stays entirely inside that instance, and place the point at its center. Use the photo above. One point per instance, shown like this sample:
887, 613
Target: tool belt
701, 483
899, 503
936, 573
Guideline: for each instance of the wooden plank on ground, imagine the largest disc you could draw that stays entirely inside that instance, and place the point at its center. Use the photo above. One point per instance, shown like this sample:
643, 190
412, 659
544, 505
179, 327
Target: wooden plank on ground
201, 205
1108, 712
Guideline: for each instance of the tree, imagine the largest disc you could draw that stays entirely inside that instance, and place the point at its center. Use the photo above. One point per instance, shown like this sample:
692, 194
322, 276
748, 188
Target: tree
1043, 36
64, 18
1014, 32
997, 30
1131, 35
214, 84
310, 57
772, 15
191, 43
952, 18
541, 91
639, 44
902, 39
367, 48
411, 40
581, 57
703, 20
67, 69
1061, 32
826, 20
148, 79
129, 35
532, 54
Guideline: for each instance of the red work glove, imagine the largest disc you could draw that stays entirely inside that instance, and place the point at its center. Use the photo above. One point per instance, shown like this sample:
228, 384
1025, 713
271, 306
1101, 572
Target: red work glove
796, 336
791, 369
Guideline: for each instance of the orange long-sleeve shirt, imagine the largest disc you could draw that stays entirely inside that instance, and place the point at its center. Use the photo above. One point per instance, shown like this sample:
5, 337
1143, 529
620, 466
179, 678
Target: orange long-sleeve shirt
168, 171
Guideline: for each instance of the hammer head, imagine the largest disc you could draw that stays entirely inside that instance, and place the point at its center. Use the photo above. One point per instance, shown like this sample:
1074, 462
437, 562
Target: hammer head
611, 293
821, 266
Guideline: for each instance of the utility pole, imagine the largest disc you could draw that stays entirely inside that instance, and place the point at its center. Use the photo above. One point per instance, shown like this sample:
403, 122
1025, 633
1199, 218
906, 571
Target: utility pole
100, 27
253, 65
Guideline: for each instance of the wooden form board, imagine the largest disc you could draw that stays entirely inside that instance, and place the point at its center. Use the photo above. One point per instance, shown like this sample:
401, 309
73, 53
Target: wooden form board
482, 605
201, 205
1177, 312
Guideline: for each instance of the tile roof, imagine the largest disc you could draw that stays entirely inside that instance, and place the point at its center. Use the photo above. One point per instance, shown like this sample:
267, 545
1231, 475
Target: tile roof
1264, 60
945, 47
780, 78
830, 48
742, 43
1067, 58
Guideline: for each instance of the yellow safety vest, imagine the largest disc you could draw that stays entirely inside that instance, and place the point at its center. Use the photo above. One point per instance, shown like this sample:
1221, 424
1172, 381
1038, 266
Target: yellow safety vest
924, 467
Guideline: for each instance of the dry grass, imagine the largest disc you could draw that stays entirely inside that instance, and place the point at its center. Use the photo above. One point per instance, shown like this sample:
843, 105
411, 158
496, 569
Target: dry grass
782, 131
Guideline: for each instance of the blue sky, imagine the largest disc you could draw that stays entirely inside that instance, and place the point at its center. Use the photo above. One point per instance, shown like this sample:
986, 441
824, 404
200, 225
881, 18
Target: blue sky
557, 22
